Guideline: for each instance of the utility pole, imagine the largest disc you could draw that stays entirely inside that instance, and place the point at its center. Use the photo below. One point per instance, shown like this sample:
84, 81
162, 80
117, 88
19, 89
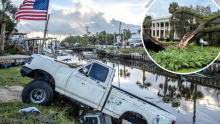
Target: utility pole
113, 41
106, 40
119, 34
123, 38
87, 31
70, 40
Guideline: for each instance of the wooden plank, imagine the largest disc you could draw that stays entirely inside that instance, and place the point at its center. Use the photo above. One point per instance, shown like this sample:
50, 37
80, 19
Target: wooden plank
12, 60
14, 57
71, 66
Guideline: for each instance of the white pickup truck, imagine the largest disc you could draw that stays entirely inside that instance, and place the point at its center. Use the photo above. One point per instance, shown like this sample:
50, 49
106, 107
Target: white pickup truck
90, 85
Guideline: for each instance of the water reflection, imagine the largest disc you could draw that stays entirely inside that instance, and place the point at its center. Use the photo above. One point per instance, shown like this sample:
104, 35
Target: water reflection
195, 101
124, 73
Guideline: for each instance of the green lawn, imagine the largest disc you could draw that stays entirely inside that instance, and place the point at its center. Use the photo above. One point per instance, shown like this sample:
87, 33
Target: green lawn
132, 50
65, 109
188, 70
169, 42
12, 76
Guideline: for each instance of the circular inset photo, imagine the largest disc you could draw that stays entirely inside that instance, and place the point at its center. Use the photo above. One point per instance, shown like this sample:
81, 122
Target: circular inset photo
182, 36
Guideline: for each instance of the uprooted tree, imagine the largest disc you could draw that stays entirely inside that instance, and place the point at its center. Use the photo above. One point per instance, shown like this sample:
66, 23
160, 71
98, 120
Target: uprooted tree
191, 24
206, 25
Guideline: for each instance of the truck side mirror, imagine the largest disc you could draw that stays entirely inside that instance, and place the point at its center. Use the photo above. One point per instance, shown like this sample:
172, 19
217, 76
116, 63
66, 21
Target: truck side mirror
85, 70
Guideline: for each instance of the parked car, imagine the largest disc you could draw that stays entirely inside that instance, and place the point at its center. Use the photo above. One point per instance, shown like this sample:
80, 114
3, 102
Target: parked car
164, 38
135, 44
116, 44
176, 39
204, 43
89, 85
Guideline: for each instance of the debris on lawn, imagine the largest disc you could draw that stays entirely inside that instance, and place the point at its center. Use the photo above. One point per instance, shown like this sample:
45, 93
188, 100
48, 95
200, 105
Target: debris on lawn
34, 113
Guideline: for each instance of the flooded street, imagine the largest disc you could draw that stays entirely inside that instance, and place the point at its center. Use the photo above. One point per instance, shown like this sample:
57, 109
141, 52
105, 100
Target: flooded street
198, 104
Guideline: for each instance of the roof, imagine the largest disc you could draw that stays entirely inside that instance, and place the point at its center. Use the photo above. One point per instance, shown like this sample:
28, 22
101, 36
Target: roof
136, 36
165, 17
32, 39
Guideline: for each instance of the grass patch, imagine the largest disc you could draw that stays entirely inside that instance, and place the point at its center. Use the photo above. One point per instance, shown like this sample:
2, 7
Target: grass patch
132, 50
195, 57
188, 70
173, 42
67, 111
12, 76
111, 48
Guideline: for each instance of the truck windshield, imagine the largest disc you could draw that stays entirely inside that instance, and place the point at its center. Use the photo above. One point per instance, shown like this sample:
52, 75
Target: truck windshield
98, 72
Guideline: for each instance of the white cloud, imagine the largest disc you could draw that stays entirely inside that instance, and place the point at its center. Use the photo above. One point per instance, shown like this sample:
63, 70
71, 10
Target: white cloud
160, 7
65, 21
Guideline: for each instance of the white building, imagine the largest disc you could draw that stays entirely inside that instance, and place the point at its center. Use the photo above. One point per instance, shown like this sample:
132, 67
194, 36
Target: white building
161, 27
118, 39
135, 37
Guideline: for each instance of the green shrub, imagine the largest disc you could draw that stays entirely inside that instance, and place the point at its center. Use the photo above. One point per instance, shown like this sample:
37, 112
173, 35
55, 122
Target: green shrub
192, 57
9, 49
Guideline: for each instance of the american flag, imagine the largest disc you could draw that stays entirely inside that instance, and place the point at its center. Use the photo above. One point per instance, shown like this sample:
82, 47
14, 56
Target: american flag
33, 10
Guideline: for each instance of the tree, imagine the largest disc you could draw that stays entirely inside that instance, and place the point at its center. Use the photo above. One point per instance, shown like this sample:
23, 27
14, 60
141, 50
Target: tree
8, 9
173, 7
206, 25
190, 24
10, 27
102, 36
147, 22
93, 39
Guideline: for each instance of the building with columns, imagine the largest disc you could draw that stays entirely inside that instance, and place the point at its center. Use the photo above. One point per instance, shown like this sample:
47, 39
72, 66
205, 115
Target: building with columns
161, 27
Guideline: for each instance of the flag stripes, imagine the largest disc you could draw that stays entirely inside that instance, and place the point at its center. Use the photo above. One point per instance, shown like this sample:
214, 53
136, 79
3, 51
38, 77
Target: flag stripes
32, 10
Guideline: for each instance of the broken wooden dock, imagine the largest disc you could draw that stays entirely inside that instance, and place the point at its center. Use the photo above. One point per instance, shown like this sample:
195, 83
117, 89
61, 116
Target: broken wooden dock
13, 60
82, 48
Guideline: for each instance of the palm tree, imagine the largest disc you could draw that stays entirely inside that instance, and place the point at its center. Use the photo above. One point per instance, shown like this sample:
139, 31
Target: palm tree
147, 22
8, 9
173, 7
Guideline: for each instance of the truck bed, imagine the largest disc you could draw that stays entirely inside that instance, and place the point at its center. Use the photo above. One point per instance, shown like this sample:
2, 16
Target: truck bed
121, 101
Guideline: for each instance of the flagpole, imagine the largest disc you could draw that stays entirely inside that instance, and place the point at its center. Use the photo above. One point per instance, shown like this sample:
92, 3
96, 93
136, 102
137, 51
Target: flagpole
45, 30
42, 47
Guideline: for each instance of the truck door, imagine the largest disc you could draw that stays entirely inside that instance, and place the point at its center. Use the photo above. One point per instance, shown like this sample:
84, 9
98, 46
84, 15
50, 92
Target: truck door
89, 87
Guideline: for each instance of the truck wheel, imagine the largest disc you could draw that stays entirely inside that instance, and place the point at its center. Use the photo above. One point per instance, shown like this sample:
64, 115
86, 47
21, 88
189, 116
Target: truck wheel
38, 92
133, 118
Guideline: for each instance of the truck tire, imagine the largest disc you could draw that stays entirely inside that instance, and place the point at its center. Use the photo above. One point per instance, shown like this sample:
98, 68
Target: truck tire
132, 117
38, 92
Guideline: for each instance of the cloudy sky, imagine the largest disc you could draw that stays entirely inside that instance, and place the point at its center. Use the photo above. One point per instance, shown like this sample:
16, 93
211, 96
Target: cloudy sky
156, 12
71, 16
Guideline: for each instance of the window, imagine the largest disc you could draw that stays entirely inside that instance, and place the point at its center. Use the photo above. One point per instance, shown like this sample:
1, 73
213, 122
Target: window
98, 72
92, 120
88, 67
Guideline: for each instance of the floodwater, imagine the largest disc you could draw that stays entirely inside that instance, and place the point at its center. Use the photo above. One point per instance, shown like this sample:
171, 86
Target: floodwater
198, 104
